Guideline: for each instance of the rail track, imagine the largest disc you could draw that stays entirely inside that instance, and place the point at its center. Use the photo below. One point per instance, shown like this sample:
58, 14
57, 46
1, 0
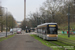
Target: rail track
59, 44
71, 42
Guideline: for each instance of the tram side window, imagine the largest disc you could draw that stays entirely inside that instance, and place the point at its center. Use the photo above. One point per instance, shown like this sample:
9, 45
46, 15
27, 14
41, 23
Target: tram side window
39, 30
43, 30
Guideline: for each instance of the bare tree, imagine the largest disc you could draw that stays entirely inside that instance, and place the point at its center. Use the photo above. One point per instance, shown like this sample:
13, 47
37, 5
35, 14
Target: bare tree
51, 7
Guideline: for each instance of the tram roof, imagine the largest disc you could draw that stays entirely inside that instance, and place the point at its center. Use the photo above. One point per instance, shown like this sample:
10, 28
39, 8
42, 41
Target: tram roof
45, 24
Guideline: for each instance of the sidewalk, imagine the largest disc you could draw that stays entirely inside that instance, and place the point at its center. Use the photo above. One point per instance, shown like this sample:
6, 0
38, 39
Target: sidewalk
22, 42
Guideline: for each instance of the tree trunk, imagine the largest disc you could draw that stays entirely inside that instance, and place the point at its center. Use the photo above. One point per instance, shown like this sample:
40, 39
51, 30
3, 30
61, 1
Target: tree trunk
1, 27
9, 28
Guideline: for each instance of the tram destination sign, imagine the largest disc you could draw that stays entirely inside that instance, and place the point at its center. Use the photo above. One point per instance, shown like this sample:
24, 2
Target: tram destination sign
52, 25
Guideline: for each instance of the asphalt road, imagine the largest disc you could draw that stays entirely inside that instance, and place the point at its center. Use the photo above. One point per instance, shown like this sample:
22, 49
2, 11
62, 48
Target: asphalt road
3, 34
22, 42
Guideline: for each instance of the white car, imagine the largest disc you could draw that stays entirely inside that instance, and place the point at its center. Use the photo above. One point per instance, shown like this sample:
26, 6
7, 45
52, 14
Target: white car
11, 30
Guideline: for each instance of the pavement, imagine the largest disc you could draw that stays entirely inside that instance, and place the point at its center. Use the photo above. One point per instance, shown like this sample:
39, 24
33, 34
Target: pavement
22, 42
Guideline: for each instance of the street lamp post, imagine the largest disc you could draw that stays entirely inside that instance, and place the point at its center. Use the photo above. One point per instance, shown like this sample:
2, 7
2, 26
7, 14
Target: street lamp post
12, 25
1, 18
6, 22
69, 20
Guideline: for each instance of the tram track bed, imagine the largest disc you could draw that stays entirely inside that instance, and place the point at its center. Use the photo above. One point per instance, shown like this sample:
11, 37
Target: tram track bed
60, 38
65, 36
55, 45
62, 45
66, 41
59, 45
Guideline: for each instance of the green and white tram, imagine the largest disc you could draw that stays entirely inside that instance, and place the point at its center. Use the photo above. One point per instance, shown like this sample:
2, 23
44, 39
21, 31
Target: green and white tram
48, 31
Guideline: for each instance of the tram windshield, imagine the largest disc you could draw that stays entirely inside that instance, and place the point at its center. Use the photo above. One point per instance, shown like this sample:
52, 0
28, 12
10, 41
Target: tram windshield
53, 30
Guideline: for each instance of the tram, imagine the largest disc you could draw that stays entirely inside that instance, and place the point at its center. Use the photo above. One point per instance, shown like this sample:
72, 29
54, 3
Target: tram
48, 31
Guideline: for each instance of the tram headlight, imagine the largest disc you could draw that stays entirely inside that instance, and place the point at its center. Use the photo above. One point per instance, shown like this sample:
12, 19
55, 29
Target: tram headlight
56, 35
48, 35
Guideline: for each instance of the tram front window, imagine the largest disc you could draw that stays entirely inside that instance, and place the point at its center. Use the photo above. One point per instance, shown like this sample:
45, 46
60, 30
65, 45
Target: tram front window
53, 31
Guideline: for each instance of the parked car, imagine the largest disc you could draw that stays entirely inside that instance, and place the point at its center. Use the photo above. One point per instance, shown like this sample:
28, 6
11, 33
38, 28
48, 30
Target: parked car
11, 30
18, 31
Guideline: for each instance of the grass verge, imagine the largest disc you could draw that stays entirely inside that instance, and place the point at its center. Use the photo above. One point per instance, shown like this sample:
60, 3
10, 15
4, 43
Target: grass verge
47, 43
72, 37
4, 38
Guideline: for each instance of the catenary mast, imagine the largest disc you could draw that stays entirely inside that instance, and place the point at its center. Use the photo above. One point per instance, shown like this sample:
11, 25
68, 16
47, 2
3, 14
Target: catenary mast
24, 9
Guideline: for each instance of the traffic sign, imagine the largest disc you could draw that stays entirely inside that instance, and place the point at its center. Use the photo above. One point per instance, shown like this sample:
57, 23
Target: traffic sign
26, 26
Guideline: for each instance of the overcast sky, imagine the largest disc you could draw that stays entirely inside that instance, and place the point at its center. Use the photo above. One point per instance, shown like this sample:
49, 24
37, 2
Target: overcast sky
16, 7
